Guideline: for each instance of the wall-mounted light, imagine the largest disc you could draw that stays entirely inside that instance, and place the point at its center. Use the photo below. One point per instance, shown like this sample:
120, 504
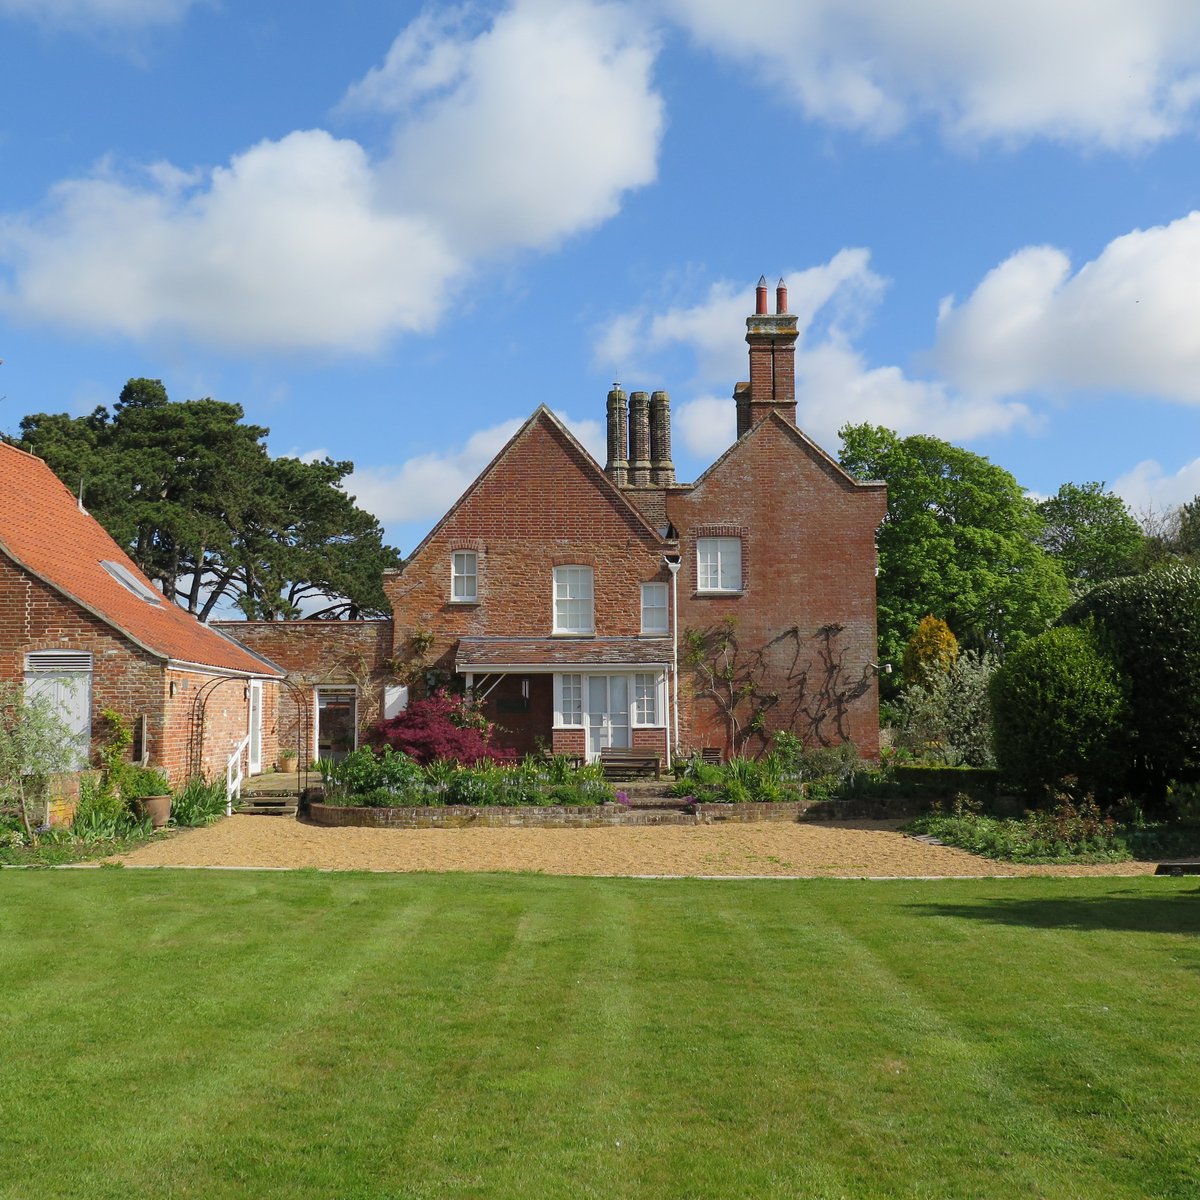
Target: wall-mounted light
880, 668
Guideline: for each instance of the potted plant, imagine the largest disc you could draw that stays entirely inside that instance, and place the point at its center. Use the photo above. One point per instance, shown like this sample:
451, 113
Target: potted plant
146, 789
287, 760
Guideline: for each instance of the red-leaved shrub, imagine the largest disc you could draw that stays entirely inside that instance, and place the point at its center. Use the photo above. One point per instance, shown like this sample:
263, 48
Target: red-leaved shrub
440, 726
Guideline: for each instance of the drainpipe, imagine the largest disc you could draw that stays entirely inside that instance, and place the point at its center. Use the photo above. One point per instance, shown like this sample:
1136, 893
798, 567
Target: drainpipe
671, 562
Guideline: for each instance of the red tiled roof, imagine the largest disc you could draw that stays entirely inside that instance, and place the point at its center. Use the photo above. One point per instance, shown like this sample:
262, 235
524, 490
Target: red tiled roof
43, 530
489, 654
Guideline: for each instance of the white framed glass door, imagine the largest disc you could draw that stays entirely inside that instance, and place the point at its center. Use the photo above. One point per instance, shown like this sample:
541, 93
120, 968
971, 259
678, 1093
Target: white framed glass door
256, 711
608, 712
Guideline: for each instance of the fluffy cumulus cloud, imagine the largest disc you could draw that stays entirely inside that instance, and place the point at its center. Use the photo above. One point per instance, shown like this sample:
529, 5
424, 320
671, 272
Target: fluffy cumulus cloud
1149, 489
420, 489
97, 13
506, 137
1098, 72
834, 382
1125, 321
287, 246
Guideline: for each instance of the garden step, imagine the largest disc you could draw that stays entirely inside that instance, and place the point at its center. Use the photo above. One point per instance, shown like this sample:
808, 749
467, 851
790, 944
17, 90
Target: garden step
267, 806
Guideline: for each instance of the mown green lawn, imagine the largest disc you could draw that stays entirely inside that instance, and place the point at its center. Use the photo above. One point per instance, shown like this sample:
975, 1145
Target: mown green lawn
201, 1034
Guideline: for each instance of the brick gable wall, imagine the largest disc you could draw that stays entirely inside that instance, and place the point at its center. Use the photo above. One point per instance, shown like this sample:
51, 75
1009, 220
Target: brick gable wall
808, 564
125, 678
539, 507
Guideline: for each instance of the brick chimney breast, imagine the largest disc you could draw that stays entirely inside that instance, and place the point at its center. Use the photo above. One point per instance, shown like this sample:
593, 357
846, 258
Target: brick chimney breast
639, 439
772, 342
662, 469
618, 438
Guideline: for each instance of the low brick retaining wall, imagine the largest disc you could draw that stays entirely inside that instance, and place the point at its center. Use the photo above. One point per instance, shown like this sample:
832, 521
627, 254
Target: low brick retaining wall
457, 816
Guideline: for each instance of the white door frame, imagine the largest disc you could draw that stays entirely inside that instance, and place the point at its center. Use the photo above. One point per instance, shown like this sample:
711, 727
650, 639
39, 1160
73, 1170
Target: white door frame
254, 720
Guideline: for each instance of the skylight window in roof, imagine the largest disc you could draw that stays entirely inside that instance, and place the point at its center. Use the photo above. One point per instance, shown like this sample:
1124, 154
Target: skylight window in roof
128, 580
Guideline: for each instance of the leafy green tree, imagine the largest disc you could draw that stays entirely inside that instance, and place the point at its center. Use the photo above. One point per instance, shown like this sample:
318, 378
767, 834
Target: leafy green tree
190, 489
960, 541
1057, 708
35, 743
1091, 533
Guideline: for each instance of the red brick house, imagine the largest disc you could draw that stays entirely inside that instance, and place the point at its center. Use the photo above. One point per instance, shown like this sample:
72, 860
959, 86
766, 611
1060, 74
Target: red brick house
80, 622
588, 606
591, 606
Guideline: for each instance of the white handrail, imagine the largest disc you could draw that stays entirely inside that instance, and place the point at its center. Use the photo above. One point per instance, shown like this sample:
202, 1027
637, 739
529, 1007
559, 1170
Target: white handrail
234, 775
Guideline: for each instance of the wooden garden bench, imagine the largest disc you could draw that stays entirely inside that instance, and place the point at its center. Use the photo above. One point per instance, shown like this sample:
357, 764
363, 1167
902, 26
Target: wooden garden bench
623, 762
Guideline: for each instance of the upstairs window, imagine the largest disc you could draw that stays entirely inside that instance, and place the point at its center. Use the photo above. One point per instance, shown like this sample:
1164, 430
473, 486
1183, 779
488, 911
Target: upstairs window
719, 564
574, 610
464, 576
654, 608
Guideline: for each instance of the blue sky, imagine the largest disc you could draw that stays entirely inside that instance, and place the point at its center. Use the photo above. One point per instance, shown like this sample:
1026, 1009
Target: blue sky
389, 231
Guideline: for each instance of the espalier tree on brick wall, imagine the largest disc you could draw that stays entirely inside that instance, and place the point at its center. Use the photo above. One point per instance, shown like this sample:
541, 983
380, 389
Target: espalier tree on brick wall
802, 684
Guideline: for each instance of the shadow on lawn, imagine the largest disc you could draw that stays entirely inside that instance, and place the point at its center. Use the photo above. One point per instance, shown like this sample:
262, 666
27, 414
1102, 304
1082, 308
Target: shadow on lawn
1133, 912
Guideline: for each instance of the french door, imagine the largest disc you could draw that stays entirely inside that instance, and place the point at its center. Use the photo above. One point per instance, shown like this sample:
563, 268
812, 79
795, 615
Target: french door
256, 714
608, 712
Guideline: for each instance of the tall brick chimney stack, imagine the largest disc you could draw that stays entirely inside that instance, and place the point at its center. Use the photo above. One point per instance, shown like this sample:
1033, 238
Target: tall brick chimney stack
618, 438
772, 342
662, 469
639, 439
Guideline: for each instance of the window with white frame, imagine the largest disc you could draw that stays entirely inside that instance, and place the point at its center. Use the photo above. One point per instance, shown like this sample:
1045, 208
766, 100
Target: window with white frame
588, 700
645, 699
654, 608
464, 576
574, 610
570, 700
719, 564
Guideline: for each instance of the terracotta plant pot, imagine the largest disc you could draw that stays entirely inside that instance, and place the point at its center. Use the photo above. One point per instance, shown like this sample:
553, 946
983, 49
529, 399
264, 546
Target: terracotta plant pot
157, 808
287, 763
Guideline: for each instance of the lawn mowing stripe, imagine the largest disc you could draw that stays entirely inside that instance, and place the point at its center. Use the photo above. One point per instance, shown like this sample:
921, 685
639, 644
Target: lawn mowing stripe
199, 1089
509, 1085
1035, 1054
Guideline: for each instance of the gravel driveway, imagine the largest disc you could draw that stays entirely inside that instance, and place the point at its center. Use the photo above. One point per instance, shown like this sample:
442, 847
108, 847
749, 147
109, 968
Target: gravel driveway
852, 849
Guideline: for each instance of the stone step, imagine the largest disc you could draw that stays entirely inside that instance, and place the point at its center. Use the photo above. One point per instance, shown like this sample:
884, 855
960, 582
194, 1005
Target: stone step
267, 806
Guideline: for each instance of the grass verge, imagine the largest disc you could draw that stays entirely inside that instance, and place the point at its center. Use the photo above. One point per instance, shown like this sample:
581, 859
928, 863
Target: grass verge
226, 1035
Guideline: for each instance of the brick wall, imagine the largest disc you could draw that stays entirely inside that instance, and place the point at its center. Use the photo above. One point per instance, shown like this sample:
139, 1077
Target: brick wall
541, 506
318, 654
125, 678
808, 566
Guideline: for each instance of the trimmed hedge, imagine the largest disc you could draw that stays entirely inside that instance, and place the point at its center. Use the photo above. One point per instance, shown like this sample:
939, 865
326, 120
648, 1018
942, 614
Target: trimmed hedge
1151, 629
1057, 707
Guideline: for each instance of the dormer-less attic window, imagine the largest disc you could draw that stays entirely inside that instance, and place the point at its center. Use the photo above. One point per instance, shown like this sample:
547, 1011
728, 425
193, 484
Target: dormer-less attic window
128, 580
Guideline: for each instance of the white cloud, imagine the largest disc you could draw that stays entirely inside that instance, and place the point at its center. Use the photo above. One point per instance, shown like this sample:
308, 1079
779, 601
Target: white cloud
531, 130
512, 138
834, 383
288, 246
97, 13
1148, 488
424, 487
707, 425
1098, 72
1125, 321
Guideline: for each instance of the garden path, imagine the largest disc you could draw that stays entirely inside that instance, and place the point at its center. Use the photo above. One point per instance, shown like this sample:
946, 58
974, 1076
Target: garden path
853, 849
